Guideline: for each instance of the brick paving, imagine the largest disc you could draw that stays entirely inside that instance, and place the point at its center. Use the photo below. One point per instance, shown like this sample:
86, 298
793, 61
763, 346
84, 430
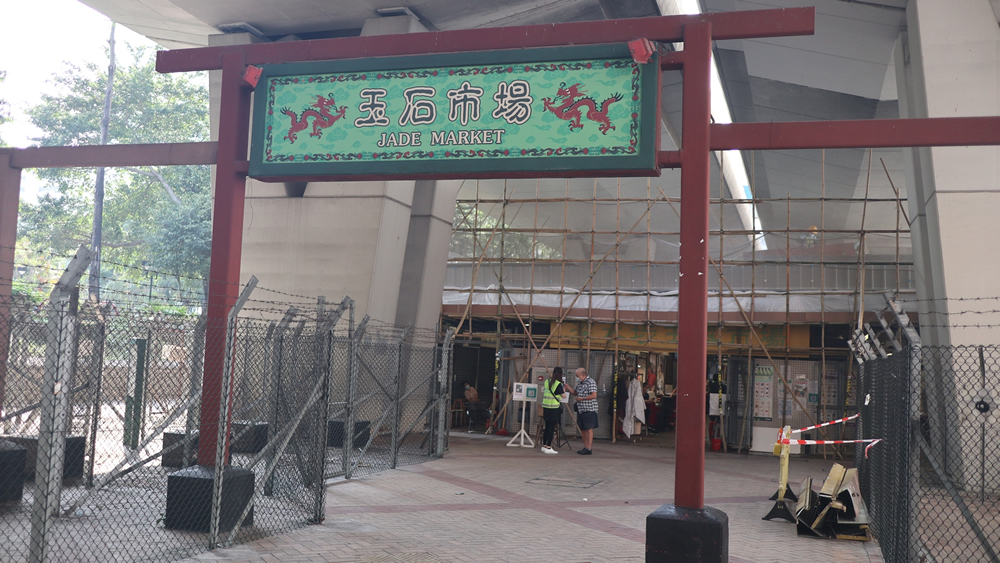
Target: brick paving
487, 502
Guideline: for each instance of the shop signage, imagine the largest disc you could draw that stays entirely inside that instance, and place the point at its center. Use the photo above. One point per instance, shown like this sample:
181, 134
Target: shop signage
529, 112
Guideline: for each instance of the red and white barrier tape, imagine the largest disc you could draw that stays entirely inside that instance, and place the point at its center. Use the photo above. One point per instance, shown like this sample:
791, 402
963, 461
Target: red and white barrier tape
852, 417
872, 441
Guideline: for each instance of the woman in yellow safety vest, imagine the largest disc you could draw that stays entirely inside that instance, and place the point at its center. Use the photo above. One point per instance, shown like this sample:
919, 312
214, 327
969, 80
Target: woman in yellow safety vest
552, 408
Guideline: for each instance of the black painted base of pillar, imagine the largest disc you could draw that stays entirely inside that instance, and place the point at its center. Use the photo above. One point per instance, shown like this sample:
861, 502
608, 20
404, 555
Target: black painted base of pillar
189, 498
12, 459
681, 534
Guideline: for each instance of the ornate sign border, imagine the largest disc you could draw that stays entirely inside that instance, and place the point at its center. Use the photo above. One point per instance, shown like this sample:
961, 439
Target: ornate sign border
460, 163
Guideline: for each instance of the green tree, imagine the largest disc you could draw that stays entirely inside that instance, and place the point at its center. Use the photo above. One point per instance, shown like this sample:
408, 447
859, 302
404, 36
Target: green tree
4, 107
472, 230
181, 243
143, 207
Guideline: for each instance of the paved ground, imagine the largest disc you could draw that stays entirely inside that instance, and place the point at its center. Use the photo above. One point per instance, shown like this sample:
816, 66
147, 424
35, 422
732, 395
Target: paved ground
487, 502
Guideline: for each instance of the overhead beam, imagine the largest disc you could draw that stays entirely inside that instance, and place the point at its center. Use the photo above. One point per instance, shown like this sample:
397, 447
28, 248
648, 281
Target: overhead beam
163, 154
725, 25
874, 133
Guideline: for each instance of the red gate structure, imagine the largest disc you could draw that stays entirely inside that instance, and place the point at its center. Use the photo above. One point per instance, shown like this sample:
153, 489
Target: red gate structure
685, 530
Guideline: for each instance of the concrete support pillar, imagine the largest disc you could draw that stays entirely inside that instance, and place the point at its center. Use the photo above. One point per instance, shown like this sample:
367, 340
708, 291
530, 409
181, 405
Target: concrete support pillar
345, 237
426, 259
948, 65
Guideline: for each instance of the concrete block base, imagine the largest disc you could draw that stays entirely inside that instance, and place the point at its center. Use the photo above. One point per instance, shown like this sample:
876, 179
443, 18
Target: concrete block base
246, 441
12, 459
681, 534
189, 498
76, 448
337, 429
175, 458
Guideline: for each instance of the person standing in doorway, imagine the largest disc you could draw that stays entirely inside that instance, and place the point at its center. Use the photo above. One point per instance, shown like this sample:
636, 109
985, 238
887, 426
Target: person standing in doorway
552, 408
471, 395
586, 401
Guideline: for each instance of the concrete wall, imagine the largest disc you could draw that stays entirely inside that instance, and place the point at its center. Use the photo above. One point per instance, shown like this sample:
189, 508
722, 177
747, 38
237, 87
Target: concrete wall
948, 65
340, 238
385, 244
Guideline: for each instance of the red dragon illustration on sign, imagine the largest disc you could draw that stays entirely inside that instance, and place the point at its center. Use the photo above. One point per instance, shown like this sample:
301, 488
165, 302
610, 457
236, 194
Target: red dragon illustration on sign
571, 101
321, 119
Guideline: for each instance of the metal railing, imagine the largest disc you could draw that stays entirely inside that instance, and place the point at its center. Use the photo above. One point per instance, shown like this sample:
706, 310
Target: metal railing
100, 411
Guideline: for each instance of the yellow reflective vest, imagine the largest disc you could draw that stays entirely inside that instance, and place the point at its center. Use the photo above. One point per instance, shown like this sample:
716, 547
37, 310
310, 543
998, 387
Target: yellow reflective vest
549, 398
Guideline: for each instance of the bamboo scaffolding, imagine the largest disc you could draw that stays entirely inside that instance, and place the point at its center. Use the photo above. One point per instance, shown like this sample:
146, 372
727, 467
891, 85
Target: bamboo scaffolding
610, 201
511, 265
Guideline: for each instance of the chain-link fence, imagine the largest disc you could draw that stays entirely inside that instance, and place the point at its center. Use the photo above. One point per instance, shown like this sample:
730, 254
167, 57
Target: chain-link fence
103, 453
932, 484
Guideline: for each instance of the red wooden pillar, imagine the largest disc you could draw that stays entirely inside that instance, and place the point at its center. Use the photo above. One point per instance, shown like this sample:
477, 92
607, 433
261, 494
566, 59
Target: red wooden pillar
692, 329
687, 530
10, 196
227, 242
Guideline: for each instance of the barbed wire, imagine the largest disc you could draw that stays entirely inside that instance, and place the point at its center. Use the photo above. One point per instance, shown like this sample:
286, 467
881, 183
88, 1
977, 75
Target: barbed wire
974, 325
929, 299
969, 312
145, 271
306, 297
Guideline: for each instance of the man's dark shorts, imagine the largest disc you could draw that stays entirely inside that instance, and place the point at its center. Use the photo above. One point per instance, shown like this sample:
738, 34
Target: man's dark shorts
587, 420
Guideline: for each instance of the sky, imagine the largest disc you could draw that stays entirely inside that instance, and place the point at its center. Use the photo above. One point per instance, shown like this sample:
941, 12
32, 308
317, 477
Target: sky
39, 36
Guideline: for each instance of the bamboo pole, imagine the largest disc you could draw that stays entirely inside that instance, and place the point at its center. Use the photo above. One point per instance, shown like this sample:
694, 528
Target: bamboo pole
615, 375
649, 267
719, 319
822, 291
753, 332
590, 298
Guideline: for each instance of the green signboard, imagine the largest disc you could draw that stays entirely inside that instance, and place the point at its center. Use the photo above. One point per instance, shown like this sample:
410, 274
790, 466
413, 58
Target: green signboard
530, 113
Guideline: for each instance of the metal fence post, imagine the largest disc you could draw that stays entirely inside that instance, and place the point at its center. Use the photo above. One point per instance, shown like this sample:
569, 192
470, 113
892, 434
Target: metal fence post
221, 444
432, 394
276, 356
197, 368
396, 411
444, 380
98, 375
56, 387
352, 392
913, 350
324, 335
319, 509
348, 423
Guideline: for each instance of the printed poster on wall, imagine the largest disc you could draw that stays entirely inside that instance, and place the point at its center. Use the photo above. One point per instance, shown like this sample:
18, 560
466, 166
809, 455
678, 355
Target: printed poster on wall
831, 388
763, 384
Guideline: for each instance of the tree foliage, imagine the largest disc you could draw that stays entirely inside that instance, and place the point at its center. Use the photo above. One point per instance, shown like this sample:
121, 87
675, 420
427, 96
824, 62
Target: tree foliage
472, 230
143, 222
4, 106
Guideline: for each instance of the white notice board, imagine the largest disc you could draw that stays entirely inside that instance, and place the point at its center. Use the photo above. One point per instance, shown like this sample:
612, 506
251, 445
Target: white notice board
763, 380
525, 392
